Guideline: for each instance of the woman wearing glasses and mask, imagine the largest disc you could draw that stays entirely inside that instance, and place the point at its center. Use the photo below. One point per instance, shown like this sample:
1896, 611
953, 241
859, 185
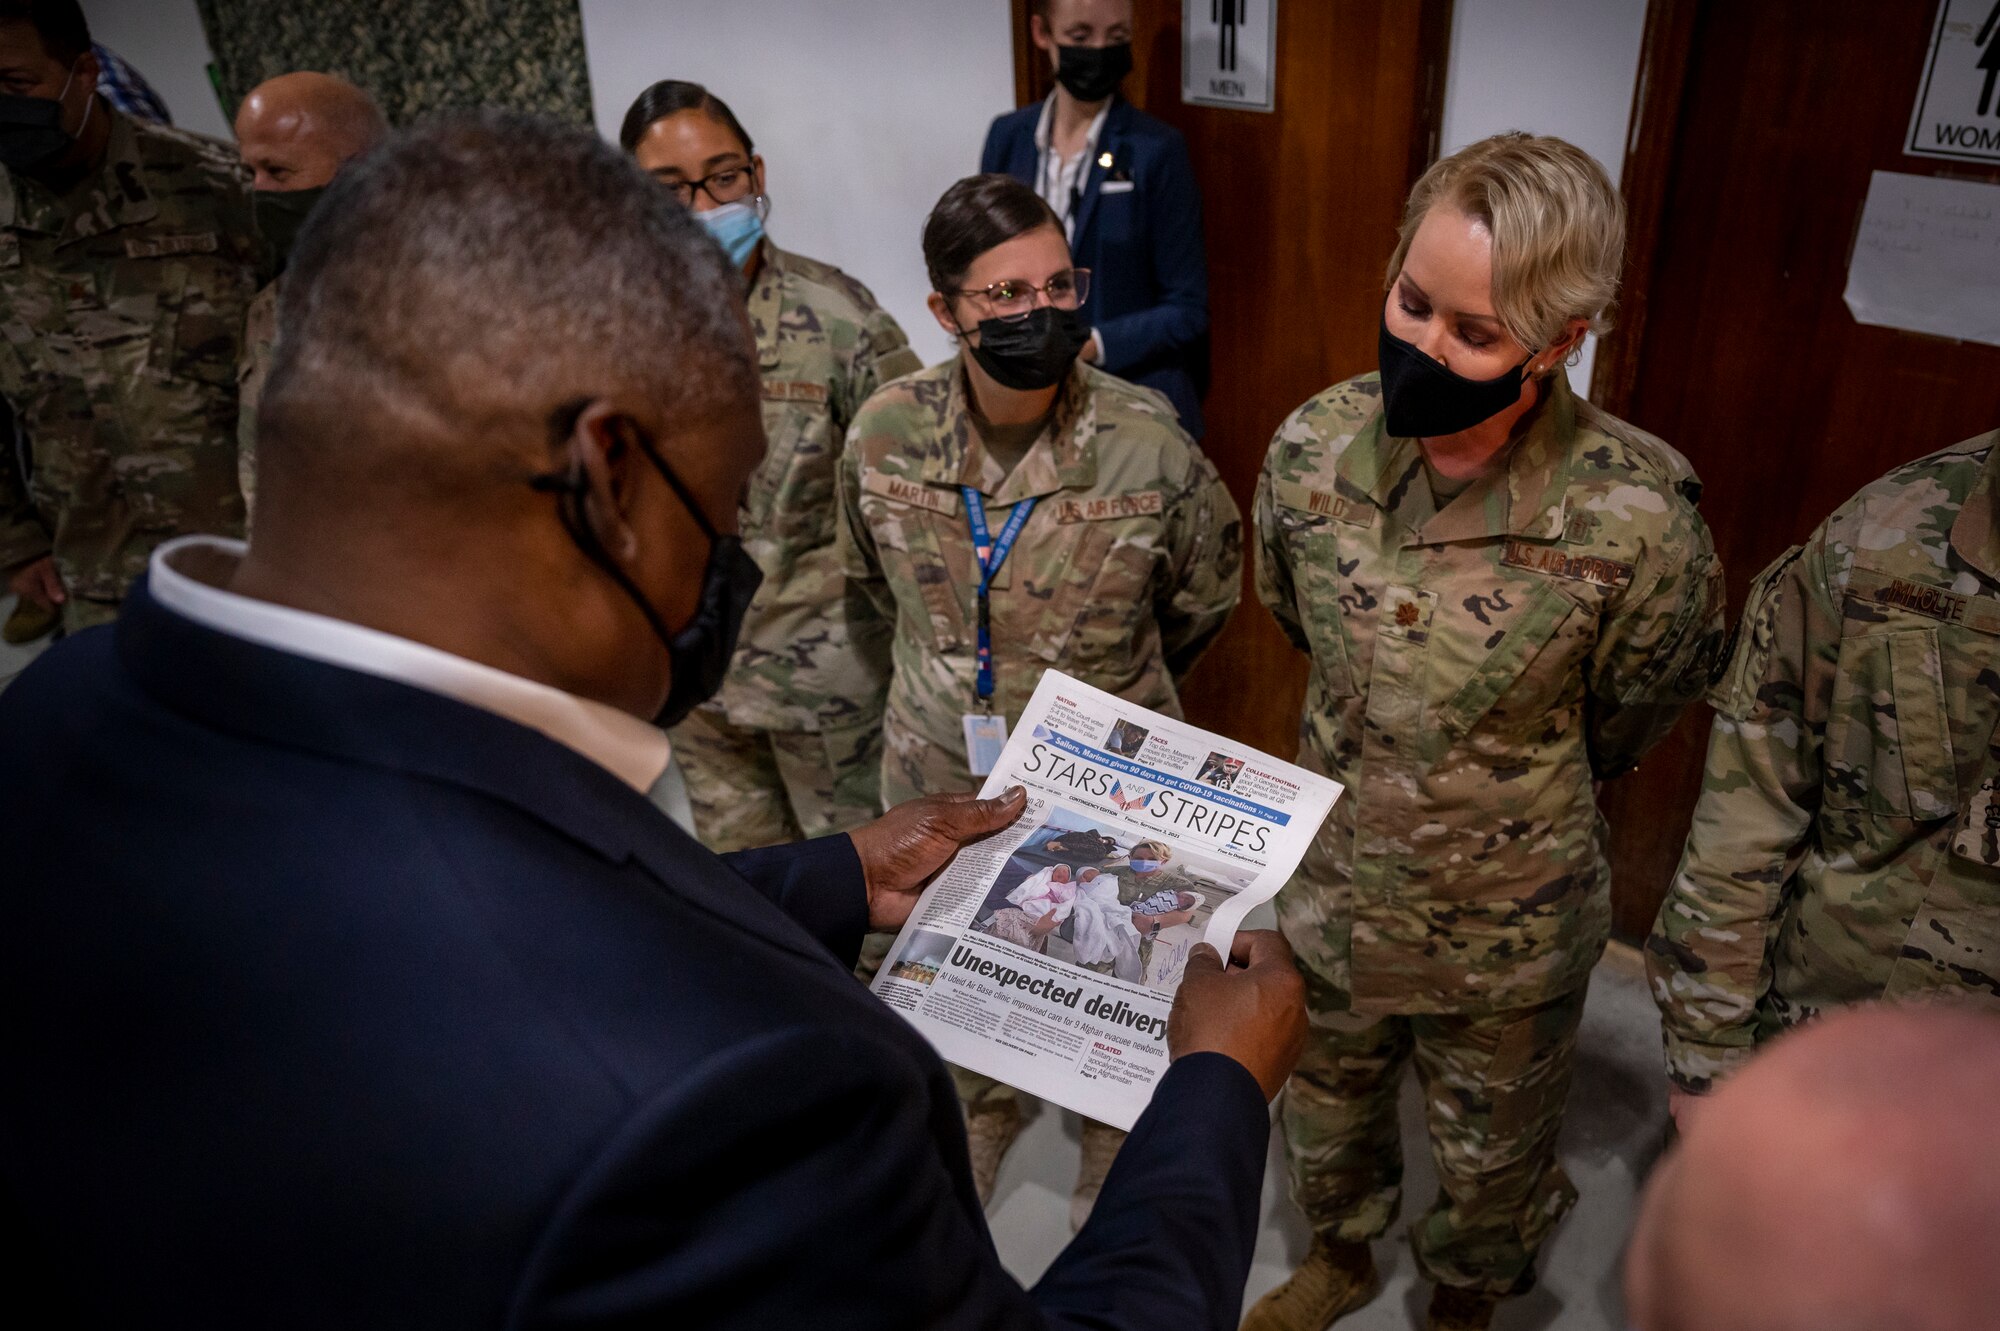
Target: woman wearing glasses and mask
790, 747
1507, 596
1113, 550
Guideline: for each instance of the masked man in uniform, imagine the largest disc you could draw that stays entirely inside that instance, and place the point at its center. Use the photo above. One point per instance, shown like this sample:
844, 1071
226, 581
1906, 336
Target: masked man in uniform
127, 258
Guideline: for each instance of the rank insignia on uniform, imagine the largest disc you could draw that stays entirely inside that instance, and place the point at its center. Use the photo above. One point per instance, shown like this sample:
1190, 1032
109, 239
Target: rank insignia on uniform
899, 491
165, 247
1407, 615
1144, 503
1592, 569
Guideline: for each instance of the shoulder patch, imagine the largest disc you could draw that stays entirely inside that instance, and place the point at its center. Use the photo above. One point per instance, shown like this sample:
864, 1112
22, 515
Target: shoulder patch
1593, 569
914, 493
1139, 503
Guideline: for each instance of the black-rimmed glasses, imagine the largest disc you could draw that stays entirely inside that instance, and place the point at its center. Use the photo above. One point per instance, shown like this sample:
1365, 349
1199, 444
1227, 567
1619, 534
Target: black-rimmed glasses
730, 185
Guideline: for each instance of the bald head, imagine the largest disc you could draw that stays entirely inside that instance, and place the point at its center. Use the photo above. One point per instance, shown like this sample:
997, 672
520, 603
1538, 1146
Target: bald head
294, 131
1846, 1180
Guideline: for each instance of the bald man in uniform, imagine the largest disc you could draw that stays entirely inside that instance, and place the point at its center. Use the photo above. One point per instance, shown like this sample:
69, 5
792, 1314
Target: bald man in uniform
1845, 1180
294, 132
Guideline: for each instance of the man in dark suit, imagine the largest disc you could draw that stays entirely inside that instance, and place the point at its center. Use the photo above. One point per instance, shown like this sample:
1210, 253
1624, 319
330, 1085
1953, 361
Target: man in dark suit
349, 978
1123, 186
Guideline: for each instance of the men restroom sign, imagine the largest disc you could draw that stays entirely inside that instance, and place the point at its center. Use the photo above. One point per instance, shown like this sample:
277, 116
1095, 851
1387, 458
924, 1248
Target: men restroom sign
1228, 52
1958, 98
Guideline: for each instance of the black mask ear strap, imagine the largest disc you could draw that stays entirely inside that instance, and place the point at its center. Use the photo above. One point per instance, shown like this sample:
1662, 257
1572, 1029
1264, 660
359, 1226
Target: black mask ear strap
570, 489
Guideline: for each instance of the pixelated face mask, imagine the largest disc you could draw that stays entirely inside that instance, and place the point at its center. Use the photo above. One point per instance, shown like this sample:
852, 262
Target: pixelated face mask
31, 129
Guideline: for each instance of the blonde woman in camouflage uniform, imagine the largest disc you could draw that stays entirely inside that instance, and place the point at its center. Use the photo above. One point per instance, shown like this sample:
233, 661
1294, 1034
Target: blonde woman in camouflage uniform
1507, 596
791, 746
1117, 549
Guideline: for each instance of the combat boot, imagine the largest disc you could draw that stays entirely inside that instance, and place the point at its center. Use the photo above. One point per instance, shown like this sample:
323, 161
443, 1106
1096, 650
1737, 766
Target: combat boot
1335, 1279
990, 1128
1100, 1147
28, 622
1455, 1308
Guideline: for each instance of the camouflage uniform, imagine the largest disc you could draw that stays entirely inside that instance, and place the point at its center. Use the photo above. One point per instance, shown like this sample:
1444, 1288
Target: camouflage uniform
1128, 568
121, 308
260, 339
790, 748
1847, 843
1475, 669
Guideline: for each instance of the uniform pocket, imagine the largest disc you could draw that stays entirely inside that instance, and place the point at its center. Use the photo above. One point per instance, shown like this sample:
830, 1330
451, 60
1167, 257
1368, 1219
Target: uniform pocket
1324, 596
1100, 614
1888, 743
1528, 632
202, 304
791, 497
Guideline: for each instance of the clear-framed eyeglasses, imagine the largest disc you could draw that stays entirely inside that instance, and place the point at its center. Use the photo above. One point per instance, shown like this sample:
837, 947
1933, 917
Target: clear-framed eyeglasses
1012, 300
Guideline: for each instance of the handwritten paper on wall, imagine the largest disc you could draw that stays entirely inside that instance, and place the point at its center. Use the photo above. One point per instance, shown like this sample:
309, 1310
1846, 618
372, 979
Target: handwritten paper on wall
1927, 257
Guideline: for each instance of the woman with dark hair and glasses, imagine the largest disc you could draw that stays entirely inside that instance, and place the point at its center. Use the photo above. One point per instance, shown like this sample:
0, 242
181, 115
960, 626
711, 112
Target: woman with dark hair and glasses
1012, 511
790, 747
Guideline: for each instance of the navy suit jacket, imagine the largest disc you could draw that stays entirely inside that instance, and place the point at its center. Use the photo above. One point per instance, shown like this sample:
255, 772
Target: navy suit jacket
1141, 241
330, 1002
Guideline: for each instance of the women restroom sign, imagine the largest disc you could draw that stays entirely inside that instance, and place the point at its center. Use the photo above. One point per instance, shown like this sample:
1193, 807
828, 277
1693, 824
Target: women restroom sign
1957, 116
1229, 50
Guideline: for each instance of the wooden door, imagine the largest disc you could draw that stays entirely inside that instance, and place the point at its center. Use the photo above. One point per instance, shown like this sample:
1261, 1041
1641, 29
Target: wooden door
1301, 206
1757, 128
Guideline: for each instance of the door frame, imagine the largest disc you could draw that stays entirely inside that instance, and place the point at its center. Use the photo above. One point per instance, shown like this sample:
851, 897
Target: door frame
1650, 143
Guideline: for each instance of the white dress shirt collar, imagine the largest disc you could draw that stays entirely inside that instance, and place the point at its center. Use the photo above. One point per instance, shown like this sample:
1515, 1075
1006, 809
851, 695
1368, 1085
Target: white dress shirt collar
188, 577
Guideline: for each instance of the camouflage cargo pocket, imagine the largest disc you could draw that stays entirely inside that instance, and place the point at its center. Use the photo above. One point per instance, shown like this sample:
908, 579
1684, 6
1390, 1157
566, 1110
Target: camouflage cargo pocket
1888, 737
1312, 546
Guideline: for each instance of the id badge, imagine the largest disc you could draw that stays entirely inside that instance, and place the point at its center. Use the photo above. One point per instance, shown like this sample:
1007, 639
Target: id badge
985, 736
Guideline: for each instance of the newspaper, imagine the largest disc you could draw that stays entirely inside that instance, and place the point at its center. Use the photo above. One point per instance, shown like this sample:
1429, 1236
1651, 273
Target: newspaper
1042, 956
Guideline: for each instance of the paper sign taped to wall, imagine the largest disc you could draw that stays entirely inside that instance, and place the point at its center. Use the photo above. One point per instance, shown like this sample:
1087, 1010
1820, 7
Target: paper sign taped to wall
1927, 257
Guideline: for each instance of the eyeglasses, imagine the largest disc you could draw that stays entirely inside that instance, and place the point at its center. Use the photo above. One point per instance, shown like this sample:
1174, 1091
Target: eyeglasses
1013, 300
729, 185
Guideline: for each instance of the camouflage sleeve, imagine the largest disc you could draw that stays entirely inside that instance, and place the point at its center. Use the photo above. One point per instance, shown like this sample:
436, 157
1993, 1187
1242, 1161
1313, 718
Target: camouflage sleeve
1205, 572
870, 606
1274, 571
1709, 953
1659, 649
884, 354
22, 537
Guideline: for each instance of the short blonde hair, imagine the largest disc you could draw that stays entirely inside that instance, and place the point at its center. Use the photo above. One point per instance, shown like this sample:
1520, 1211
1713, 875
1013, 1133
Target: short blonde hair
1558, 228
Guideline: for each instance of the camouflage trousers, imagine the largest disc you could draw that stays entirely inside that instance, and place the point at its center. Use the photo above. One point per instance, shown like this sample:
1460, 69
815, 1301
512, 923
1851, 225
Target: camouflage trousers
754, 788
1494, 1085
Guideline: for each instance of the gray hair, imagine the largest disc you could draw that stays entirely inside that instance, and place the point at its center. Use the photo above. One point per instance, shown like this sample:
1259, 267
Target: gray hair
471, 280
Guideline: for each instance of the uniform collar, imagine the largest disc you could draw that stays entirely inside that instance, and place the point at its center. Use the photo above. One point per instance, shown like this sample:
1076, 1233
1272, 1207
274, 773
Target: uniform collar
1975, 532
767, 301
1064, 457
1526, 498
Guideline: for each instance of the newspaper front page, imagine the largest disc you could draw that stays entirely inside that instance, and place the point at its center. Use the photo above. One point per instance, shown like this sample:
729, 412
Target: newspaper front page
1047, 956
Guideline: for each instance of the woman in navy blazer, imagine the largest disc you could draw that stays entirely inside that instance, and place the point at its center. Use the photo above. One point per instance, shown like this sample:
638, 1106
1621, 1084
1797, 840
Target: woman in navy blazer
1130, 204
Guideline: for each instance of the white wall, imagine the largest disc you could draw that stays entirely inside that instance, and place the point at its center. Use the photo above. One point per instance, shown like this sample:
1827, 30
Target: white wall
163, 40
863, 113
1561, 67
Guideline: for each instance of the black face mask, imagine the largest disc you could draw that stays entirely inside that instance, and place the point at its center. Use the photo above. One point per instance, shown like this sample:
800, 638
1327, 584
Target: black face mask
1032, 353
279, 214
699, 654
1421, 399
32, 136
1093, 73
